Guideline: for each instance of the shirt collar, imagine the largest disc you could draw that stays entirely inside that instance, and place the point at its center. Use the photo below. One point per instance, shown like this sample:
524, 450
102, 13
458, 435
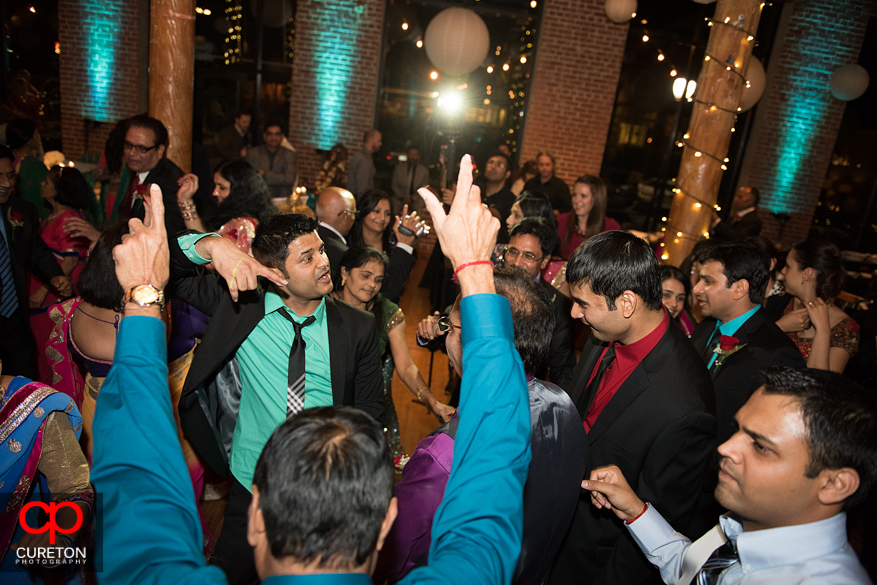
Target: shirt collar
274, 302
629, 356
787, 545
744, 212
328, 227
142, 176
731, 327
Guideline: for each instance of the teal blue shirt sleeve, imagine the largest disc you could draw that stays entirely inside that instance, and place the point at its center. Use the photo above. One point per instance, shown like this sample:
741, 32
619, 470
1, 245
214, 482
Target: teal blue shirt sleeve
187, 245
476, 533
151, 531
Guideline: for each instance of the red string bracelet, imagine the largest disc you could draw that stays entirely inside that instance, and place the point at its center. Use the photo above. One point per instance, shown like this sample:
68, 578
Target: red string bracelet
632, 520
467, 264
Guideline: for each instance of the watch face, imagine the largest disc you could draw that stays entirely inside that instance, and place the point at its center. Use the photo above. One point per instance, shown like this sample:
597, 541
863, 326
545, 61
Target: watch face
144, 294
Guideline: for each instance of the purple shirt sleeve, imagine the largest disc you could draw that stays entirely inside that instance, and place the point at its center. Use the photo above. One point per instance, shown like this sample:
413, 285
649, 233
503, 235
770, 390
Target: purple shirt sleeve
418, 495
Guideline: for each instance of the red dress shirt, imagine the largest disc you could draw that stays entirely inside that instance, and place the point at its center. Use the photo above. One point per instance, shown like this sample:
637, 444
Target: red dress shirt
627, 358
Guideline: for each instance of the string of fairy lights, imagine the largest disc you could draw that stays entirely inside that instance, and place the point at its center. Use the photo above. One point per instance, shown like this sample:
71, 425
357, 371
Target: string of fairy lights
731, 64
233, 15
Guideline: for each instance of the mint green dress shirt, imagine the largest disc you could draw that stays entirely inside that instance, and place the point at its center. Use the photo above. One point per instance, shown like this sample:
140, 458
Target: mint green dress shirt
263, 359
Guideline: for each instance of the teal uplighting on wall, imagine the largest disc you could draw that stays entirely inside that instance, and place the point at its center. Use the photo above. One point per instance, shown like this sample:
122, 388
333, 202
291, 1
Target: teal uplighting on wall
335, 35
100, 27
802, 104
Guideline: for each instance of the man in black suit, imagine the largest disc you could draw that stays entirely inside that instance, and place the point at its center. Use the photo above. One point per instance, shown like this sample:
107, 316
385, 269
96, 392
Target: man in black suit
239, 388
22, 250
530, 245
336, 211
744, 221
646, 400
145, 151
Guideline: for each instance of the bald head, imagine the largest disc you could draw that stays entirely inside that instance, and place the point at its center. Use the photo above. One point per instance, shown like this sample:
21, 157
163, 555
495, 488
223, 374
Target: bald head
337, 207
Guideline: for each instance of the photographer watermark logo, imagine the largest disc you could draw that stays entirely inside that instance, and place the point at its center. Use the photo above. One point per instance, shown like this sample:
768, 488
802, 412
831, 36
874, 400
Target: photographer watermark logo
61, 549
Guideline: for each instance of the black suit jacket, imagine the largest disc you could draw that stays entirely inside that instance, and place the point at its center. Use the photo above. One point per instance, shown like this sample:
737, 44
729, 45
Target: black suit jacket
733, 230
165, 174
562, 360
737, 378
353, 344
659, 428
401, 263
28, 250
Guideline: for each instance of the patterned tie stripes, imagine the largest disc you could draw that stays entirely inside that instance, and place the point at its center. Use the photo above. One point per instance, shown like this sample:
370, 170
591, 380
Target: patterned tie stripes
295, 378
8, 295
723, 557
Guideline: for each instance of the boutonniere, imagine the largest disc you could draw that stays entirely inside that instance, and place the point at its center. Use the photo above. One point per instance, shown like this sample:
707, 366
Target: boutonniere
15, 218
140, 191
727, 346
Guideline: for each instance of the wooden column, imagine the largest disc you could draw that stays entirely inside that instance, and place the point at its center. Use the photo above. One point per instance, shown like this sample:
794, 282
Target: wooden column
172, 73
719, 88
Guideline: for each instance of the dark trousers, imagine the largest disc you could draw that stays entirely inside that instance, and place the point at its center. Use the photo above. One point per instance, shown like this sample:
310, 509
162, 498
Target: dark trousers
18, 348
233, 554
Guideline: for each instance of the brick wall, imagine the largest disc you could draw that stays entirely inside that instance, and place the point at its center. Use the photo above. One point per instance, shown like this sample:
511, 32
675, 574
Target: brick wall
797, 119
334, 77
578, 62
102, 69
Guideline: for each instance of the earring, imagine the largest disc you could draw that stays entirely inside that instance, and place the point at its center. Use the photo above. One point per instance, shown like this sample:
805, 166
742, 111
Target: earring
343, 280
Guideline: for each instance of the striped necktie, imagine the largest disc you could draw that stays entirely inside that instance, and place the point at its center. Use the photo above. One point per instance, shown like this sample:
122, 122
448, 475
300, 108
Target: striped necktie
8, 294
295, 377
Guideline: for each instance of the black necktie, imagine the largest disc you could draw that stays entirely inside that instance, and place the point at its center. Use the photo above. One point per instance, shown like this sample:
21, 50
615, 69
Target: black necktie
712, 343
723, 557
295, 377
605, 364
8, 294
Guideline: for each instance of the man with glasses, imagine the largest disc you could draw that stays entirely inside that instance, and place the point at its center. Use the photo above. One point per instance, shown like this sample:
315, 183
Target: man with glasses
530, 245
145, 150
495, 194
336, 210
277, 165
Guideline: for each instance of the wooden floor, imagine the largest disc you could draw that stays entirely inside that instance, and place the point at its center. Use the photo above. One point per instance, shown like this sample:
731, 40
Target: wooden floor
415, 422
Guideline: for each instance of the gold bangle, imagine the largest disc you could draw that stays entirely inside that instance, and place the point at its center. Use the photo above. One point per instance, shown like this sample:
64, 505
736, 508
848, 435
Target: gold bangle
420, 392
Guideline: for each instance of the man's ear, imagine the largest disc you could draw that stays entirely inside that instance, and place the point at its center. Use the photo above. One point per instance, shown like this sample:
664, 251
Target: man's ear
255, 521
392, 512
740, 289
627, 303
161, 150
838, 485
545, 262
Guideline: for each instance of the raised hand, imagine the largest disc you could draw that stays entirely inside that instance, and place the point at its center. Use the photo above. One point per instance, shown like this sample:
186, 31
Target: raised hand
143, 256
609, 489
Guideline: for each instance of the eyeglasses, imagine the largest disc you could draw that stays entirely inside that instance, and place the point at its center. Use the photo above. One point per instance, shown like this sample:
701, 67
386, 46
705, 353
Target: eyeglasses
138, 147
510, 253
348, 212
445, 325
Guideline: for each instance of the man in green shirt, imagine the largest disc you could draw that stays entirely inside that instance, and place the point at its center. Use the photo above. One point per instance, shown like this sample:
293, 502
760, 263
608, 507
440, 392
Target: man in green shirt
238, 389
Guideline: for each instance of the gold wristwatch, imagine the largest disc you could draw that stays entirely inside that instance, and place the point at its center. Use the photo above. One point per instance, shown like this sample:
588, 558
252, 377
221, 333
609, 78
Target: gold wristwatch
144, 295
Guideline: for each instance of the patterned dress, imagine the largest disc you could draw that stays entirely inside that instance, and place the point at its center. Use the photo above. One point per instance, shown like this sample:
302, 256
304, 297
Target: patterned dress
844, 335
392, 317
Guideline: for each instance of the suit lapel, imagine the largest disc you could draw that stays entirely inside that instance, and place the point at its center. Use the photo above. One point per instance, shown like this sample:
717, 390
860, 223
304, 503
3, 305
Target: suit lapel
586, 364
337, 352
748, 328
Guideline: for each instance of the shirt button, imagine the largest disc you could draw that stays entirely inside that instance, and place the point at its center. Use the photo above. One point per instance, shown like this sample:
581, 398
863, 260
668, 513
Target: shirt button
747, 568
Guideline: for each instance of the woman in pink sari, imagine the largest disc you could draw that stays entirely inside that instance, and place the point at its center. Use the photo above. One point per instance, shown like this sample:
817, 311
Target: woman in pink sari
65, 191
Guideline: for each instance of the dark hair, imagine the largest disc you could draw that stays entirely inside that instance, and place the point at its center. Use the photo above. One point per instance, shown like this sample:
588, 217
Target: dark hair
357, 257
741, 261
368, 134
528, 168
113, 147
757, 194
504, 156
841, 421
539, 229
340, 152
536, 205
613, 262
325, 480
19, 132
148, 123
825, 258
240, 113
532, 315
365, 204
70, 186
98, 285
275, 122
414, 147
6, 152
275, 234
248, 196
768, 249
596, 217
671, 272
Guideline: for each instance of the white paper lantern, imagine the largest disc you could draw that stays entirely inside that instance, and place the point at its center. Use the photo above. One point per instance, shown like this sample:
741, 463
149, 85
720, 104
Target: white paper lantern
756, 78
849, 82
620, 11
704, 1
456, 41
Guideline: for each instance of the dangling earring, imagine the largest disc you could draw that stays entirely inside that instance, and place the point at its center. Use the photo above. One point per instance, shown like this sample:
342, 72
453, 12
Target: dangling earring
343, 281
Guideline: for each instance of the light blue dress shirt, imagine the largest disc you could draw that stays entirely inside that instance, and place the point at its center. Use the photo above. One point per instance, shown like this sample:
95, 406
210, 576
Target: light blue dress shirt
807, 553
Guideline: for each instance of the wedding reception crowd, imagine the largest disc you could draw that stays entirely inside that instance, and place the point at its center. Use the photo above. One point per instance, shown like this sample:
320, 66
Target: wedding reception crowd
610, 419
